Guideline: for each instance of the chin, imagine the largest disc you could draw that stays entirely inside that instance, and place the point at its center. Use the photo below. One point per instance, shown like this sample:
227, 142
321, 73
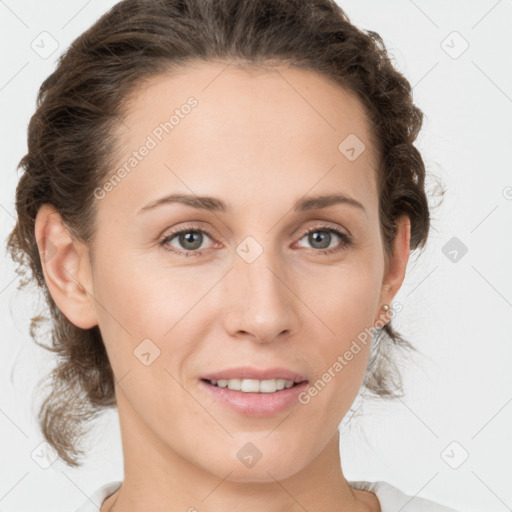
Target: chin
258, 461
260, 473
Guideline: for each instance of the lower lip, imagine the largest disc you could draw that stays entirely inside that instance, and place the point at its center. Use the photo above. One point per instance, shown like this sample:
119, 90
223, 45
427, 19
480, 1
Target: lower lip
256, 404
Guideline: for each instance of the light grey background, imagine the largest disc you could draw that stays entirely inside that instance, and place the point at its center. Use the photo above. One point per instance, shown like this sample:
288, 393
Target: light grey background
456, 313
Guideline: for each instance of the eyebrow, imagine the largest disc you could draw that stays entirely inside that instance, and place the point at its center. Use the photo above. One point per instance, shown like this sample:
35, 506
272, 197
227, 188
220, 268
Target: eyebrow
214, 204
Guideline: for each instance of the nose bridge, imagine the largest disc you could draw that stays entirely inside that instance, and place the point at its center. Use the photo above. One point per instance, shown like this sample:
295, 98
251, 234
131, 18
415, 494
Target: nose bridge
261, 305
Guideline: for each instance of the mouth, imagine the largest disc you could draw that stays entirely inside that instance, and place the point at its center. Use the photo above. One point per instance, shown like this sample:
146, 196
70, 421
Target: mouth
253, 385
254, 397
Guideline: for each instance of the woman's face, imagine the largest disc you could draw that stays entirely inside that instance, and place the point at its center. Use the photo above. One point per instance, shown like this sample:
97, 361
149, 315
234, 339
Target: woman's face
244, 285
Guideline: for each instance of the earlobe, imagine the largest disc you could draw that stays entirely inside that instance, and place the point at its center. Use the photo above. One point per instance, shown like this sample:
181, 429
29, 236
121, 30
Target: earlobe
66, 268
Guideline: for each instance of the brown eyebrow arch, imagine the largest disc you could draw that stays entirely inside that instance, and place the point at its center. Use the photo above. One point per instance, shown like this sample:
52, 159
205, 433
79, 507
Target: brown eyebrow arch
215, 204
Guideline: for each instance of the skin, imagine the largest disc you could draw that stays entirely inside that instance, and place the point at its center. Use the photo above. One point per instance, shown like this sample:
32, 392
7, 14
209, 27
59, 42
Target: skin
259, 144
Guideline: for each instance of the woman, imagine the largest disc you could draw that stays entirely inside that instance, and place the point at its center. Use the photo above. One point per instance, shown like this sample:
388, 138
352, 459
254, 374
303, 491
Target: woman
219, 202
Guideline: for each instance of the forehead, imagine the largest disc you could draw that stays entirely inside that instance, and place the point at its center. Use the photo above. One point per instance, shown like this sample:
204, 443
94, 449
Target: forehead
255, 133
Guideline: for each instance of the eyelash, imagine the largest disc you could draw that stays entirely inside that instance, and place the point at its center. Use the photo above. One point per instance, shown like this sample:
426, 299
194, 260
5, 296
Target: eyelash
346, 240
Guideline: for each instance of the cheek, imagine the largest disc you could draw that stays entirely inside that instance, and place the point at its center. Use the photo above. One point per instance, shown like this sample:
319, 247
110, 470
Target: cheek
344, 299
345, 304
135, 314
126, 300
128, 289
144, 313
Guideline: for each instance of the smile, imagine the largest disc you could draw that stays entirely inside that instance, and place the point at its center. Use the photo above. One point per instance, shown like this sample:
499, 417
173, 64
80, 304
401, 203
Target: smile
252, 397
253, 385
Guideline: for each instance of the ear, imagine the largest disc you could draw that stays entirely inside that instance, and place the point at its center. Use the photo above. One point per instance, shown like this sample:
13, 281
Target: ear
396, 264
66, 268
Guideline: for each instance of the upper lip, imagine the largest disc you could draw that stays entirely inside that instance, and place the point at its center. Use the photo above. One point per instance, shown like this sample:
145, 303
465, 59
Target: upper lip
247, 372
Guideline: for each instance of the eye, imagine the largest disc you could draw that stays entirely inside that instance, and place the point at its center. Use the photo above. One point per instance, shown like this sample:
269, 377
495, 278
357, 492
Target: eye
189, 239
320, 238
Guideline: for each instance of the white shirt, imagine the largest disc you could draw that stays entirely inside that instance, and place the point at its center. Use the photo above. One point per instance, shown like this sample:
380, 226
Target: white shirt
391, 499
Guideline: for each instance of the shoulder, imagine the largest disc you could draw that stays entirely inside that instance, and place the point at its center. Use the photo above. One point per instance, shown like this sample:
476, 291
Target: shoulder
94, 501
390, 497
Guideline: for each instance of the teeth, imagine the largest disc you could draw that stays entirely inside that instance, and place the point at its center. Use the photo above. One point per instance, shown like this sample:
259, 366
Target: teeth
253, 385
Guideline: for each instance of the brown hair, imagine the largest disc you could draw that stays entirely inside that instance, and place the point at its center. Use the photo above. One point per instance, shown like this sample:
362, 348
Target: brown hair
71, 146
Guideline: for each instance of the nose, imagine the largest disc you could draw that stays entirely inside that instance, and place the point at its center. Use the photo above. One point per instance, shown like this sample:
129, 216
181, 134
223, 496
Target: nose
261, 305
